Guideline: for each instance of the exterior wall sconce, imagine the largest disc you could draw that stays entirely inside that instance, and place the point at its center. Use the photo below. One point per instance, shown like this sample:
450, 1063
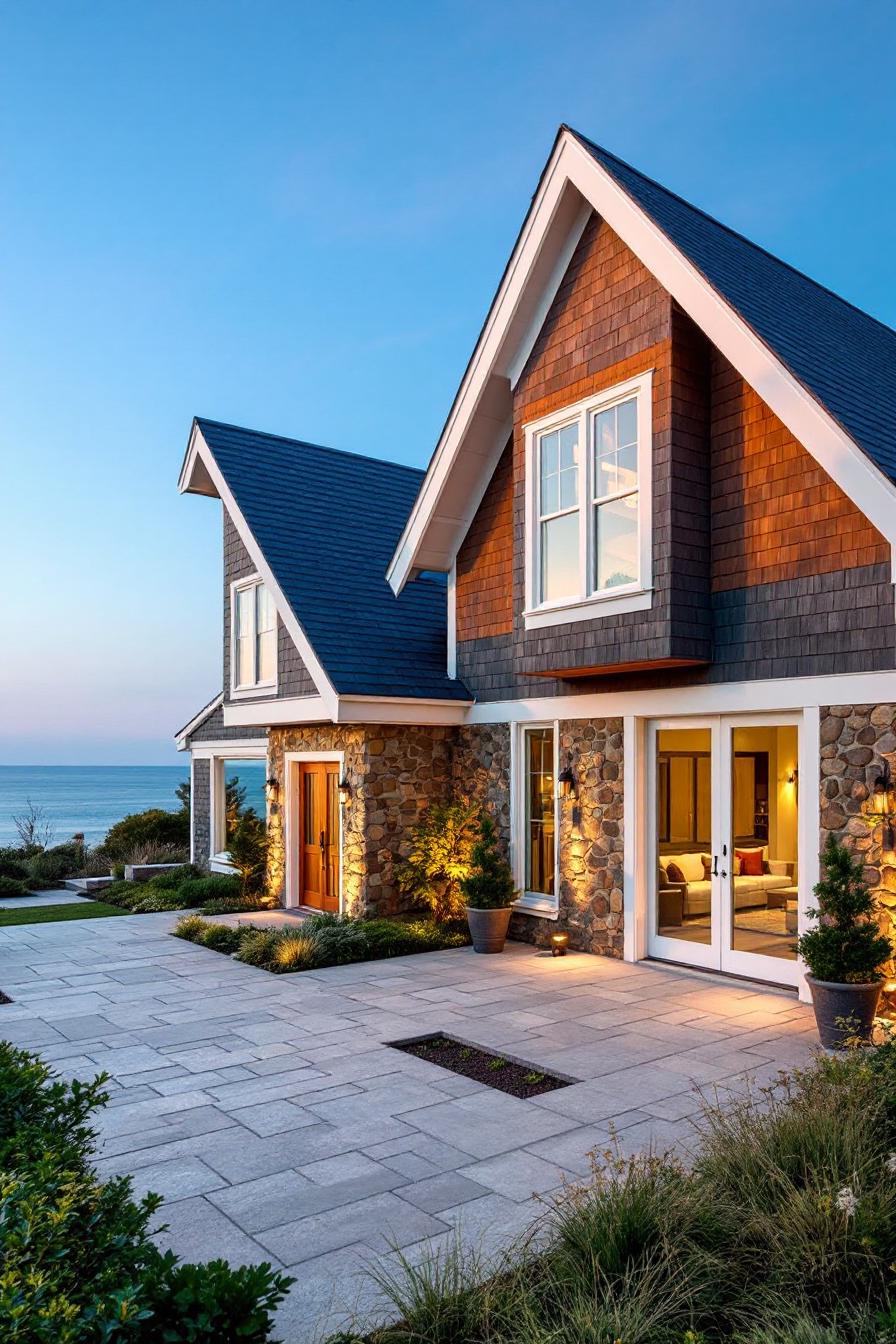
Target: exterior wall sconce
882, 809
793, 778
345, 791
272, 786
559, 944
566, 781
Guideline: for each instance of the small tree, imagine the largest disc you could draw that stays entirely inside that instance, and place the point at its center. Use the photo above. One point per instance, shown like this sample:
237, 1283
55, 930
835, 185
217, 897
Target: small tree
440, 856
248, 850
847, 947
34, 827
490, 885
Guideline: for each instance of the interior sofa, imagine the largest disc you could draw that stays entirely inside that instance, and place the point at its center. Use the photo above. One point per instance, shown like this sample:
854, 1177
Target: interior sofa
696, 889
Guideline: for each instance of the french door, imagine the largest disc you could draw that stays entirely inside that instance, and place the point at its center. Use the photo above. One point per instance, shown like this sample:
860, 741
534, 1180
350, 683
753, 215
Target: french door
318, 838
723, 871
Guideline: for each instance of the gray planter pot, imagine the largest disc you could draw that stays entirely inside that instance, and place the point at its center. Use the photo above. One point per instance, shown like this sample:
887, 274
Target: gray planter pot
488, 928
842, 1011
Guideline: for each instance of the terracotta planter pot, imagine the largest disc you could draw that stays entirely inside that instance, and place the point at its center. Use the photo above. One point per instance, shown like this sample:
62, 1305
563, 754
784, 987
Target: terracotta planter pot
488, 928
842, 1011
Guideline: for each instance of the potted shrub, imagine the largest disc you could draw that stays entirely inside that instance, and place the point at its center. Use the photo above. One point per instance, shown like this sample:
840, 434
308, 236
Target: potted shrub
846, 952
488, 892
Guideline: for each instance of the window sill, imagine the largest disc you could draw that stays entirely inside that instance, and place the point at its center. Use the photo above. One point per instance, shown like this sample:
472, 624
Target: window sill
532, 904
247, 692
540, 618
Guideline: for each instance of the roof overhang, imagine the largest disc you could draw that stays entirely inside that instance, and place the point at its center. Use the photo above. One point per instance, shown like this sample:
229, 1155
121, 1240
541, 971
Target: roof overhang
573, 185
182, 734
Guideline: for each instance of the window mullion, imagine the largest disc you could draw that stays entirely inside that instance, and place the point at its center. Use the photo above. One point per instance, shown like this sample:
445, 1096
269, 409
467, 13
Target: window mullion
584, 489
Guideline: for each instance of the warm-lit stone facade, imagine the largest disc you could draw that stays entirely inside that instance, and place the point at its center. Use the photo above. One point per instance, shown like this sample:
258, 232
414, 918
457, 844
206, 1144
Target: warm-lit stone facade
855, 740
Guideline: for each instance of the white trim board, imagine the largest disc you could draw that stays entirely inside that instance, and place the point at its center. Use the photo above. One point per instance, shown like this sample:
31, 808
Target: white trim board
440, 517
192, 479
291, 805
731, 697
197, 719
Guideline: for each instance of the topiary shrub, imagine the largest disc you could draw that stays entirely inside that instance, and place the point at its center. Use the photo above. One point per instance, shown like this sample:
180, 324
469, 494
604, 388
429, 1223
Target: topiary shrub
490, 884
847, 947
153, 827
77, 1262
11, 886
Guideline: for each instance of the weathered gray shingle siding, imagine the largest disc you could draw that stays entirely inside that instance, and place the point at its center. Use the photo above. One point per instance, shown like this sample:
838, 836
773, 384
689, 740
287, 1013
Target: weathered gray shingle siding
293, 677
200, 811
212, 730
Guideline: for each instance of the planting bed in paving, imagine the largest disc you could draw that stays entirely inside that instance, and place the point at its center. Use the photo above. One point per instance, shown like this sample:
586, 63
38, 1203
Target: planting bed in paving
484, 1066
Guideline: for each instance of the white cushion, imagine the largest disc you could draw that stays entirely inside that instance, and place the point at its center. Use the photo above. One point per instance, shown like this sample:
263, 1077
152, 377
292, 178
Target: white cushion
690, 864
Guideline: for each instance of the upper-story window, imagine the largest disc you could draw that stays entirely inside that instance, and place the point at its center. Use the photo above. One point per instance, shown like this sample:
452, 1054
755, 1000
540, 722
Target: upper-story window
588, 544
254, 657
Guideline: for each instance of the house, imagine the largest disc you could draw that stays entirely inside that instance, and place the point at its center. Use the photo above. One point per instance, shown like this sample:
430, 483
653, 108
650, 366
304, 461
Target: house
640, 603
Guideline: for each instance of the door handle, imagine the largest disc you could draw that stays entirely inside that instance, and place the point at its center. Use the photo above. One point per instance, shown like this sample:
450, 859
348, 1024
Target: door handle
323, 841
715, 865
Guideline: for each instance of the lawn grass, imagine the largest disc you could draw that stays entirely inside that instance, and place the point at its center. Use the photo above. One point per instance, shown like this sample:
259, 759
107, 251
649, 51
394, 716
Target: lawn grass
50, 914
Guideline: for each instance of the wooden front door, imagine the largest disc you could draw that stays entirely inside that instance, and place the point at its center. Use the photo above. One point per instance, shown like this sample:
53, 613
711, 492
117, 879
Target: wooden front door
319, 835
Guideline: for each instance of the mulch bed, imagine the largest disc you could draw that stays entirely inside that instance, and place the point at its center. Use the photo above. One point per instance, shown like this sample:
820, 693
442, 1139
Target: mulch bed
485, 1066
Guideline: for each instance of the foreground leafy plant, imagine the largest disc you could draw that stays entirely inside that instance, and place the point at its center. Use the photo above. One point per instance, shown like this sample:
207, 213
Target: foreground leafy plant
77, 1262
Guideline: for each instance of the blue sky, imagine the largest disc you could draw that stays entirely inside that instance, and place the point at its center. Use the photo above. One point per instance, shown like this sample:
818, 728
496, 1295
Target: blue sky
293, 217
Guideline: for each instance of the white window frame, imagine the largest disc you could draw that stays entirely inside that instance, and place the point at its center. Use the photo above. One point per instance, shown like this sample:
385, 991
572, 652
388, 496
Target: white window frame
588, 603
238, 692
218, 858
532, 902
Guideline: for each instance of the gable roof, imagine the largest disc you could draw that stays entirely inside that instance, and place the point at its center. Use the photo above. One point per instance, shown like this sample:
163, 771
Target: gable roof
845, 357
326, 523
827, 370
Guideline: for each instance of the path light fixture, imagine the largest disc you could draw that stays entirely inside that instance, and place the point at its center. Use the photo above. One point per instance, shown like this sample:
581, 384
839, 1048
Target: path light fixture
882, 807
566, 781
559, 943
345, 791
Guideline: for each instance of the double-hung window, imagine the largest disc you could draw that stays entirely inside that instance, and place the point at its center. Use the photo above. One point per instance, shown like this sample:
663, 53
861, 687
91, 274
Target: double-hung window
254, 647
588, 543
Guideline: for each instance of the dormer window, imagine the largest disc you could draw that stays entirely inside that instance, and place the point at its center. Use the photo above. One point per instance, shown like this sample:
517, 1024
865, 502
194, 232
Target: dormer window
588, 543
254, 637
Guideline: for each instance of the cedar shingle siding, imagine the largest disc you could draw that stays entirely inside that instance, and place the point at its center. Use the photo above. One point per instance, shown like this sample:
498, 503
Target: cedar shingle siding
762, 566
293, 677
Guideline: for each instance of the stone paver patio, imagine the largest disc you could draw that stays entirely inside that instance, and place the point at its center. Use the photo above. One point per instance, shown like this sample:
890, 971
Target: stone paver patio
278, 1125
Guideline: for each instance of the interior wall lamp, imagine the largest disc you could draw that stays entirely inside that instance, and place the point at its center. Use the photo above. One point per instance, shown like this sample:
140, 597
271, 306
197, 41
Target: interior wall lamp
882, 808
345, 791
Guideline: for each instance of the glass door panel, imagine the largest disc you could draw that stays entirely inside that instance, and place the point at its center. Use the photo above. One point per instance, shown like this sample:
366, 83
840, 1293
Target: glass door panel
683, 904
761, 836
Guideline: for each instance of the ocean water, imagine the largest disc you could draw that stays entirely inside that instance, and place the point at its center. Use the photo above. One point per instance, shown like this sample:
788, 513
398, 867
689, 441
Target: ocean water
88, 798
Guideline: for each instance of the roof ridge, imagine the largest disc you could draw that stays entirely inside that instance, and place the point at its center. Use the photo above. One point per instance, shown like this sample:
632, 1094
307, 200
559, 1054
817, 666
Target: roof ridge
741, 237
306, 443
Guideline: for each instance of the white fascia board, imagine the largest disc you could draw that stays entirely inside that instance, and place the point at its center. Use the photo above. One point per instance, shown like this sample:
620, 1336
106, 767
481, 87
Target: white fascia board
248, 748
273, 713
200, 451
571, 166
734, 697
394, 709
200, 718
554, 216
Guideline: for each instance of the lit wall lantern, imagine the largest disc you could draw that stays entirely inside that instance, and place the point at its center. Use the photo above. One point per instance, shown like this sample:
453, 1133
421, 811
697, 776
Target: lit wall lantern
345, 791
559, 943
566, 781
272, 787
882, 805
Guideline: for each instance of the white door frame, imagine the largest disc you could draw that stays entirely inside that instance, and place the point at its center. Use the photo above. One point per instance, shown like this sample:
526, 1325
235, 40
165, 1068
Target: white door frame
718, 954
291, 826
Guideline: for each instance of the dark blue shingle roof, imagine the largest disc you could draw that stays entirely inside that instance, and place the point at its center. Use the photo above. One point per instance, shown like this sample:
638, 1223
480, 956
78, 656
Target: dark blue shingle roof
845, 358
327, 523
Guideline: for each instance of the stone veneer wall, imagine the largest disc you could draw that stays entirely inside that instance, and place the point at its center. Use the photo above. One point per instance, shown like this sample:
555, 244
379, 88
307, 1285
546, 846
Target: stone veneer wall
855, 739
591, 839
393, 772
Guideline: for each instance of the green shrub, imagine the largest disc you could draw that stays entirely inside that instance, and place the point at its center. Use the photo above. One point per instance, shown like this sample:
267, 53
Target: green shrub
175, 877
247, 846
216, 887
847, 946
190, 927
14, 868
12, 886
77, 1263
49, 867
220, 937
232, 906
258, 947
153, 827
155, 902
490, 884
440, 856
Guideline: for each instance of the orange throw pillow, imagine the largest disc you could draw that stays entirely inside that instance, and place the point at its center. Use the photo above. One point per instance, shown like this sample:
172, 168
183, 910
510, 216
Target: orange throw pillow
750, 862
